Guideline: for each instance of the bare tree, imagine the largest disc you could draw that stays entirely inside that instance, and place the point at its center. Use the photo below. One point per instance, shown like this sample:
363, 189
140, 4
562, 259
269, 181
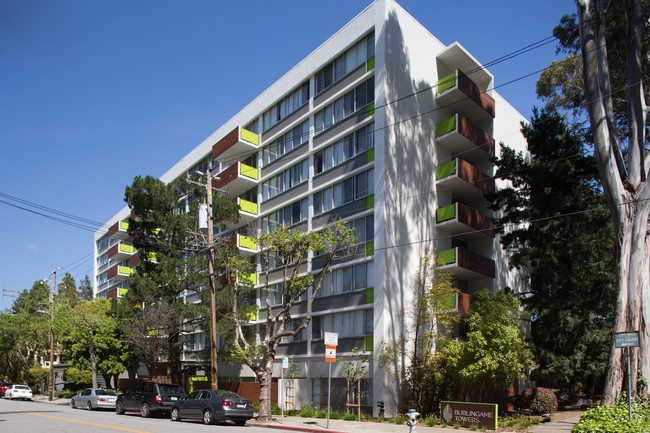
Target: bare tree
624, 181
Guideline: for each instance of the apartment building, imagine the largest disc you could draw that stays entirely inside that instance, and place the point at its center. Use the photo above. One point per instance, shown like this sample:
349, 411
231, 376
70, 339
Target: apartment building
387, 128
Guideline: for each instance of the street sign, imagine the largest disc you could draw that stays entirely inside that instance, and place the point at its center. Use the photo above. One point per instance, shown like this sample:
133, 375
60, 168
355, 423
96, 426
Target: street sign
627, 339
331, 339
285, 362
330, 353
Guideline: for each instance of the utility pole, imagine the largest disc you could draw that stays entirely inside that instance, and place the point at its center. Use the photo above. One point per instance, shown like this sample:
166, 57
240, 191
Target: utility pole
51, 381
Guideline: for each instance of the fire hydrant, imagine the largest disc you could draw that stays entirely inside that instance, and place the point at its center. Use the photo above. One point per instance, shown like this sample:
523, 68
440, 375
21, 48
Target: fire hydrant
412, 419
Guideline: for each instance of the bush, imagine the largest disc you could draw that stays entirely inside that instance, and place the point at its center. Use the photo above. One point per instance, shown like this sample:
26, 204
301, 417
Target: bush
399, 419
275, 410
307, 412
614, 418
335, 415
321, 413
538, 400
350, 417
65, 393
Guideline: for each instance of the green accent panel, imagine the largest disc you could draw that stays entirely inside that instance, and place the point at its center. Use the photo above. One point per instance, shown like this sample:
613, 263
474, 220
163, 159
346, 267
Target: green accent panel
370, 295
370, 109
446, 126
122, 292
368, 343
151, 256
450, 302
126, 248
446, 213
446, 169
370, 248
370, 201
249, 136
125, 270
447, 256
251, 316
248, 206
249, 279
370, 155
155, 231
370, 64
247, 242
196, 379
248, 171
124, 225
446, 83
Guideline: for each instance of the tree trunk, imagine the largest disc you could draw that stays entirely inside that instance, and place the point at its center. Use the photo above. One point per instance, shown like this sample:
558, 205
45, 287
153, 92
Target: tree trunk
265, 375
93, 363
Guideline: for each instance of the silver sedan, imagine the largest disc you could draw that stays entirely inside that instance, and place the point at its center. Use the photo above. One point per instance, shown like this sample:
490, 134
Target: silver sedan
94, 398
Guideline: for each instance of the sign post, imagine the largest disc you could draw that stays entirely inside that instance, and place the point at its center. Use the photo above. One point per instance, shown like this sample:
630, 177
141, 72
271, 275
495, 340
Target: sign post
285, 364
331, 341
626, 340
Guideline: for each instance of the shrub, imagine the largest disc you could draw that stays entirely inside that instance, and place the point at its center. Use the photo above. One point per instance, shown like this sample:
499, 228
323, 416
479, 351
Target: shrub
335, 415
565, 398
399, 419
350, 417
614, 418
65, 393
307, 412
321, 413
274, 410
431, 420
538, 400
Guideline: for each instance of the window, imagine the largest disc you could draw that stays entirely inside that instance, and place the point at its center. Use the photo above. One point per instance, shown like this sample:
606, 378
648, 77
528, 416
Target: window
350, 146
345, 106
356, 277
345, 63
286, 143
285, 107
349, 190
347, 324
287, 216
286, 180
364, 228
293, 325
103, 259
102, 243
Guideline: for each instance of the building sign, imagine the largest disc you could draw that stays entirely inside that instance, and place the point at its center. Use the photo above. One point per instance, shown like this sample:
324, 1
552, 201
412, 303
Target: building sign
469, 414
627, 339
330, 353
331, 339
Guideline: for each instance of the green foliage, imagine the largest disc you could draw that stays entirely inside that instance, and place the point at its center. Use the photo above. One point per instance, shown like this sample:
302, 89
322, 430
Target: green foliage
614, 418
24, 337
274, 410
349, 417
321, 413
398, 419
569, 258
335, 415
38, 378
307, 412
539, 400
80, 377
65, 393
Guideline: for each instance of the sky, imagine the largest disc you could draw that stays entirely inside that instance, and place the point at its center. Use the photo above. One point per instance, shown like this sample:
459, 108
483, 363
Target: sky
96, 92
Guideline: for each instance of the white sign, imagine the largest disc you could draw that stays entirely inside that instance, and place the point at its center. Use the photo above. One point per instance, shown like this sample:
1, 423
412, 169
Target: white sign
331, 339
330, 353
285, 362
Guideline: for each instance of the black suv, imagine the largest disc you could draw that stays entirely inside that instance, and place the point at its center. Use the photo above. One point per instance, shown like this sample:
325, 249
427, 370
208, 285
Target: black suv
149, 398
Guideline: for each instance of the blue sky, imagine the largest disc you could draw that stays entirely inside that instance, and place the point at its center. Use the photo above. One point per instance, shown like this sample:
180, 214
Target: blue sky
93, 93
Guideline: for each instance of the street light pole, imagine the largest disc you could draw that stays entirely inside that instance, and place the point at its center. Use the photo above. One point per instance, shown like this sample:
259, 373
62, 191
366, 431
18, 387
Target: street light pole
51, 381
213, 318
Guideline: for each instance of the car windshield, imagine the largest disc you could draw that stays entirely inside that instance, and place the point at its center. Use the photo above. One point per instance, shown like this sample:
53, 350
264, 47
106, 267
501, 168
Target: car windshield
228, 394
105, 392
21, 387
171, 389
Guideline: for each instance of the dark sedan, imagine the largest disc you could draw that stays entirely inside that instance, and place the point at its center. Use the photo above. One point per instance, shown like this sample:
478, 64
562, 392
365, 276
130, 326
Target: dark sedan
213, 405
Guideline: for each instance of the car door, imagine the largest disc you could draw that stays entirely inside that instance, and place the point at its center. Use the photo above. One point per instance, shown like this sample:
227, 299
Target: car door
133, 397
82, 400
188, 407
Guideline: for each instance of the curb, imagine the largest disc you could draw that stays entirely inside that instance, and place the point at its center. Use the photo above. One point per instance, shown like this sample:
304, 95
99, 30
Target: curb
302, 429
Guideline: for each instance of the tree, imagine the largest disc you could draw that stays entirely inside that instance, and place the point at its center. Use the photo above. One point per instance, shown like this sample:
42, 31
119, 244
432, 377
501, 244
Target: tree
24, 336
353, 370
286, 250
412, 358
67, 289
624, 177
86, 289
34, 300
495, 353
560, 232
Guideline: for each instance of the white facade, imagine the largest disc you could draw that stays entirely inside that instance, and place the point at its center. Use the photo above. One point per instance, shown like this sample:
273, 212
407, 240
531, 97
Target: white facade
418, 190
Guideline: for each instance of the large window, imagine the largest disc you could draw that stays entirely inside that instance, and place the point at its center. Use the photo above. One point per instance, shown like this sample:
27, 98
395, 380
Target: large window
348, 324
364, 228
286, 143
287, 179
345, 106
350, 146
287, 216
347, 191
286, 106
356, 277
345, 63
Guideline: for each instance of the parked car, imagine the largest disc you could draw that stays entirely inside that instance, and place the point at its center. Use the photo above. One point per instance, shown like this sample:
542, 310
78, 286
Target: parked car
213, 405
94, 398
149, 398
4, 387
19, 391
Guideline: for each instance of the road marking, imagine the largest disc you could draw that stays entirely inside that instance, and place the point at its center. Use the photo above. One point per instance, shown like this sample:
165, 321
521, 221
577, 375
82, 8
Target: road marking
84, 422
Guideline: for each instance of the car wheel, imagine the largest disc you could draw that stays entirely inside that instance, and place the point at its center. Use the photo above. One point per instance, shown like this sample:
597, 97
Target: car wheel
240, 422
207, 417
72, 404
90, 406
145, 411
175, 416
119, 408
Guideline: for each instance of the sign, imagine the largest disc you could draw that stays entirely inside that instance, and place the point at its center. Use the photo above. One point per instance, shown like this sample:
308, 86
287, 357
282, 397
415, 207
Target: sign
285, 362
331, 339
469, 414
627, 339
330, 353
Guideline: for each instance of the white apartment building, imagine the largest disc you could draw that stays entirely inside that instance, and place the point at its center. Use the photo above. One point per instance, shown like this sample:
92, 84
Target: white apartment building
385, 127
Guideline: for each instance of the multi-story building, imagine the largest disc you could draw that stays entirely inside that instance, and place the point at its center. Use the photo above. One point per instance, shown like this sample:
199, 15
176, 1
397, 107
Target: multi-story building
388, 128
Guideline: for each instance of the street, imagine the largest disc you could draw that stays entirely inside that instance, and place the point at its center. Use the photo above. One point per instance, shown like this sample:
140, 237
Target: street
34, 416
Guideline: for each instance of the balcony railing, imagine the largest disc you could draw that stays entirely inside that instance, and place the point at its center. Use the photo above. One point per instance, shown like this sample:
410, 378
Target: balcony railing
119, 230
237, 179
458, 218
246, 244
121, 252
119, 273
467, 182
459, 93
238, 145
461, 137
465, 264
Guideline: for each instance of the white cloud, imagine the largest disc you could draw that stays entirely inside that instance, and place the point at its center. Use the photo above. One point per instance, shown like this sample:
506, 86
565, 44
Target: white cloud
32, 247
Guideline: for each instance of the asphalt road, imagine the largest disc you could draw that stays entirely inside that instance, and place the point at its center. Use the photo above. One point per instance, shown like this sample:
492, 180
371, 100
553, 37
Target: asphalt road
35, 417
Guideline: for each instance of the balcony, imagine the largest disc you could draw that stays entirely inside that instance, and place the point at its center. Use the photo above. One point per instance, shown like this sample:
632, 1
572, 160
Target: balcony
248, 212
239, 144
466, 265
460, 94
121, 252
119, 230
119, 273
467, 182
460, 219
460, 302
461, 137
237, 179
246, 244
